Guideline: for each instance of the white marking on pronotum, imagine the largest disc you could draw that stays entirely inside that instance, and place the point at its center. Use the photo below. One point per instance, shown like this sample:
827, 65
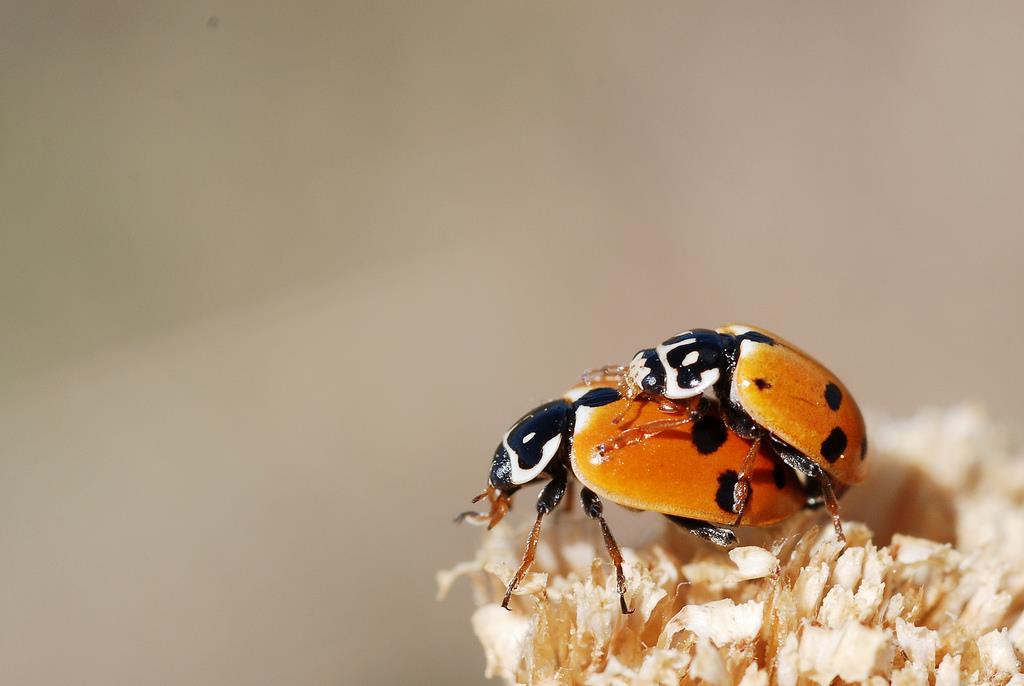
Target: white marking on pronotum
672, 388
691, 357
529, 437
664, 349
710, 394
708, 378
522, 476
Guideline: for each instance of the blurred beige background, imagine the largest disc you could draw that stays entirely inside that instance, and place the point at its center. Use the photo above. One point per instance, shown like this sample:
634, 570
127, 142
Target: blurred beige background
275, 277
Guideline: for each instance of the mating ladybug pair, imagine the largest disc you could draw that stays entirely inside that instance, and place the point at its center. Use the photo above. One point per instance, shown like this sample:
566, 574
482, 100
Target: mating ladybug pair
710, 428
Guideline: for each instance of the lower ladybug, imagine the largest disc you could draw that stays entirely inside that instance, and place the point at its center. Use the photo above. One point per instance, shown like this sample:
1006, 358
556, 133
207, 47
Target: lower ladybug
765, 388
687, 473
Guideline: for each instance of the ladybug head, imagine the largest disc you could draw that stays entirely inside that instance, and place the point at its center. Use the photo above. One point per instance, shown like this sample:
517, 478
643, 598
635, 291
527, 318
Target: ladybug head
536, 446
645, 374
542, 438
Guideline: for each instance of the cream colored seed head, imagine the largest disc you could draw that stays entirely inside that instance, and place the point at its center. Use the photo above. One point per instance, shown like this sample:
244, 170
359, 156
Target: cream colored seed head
929, 591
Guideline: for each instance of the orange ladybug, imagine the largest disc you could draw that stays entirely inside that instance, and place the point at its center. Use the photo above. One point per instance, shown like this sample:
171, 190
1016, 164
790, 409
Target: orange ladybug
688, 473
766, 389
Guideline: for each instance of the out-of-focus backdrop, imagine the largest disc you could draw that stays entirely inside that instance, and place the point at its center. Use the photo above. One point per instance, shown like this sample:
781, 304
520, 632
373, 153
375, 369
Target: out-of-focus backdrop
276, 276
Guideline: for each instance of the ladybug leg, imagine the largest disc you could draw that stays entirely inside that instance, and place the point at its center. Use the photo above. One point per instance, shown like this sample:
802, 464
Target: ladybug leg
610, 373
592, 506
832, 503
640, 433
501, 503
472, 517
808, 468
742, 489
740, 423
816, 496
547, 501
718, 535
626, 408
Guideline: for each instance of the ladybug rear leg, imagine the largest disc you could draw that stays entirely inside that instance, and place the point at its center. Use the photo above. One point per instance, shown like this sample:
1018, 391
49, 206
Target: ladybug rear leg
547, 501
809, 468
592, 506
718, 535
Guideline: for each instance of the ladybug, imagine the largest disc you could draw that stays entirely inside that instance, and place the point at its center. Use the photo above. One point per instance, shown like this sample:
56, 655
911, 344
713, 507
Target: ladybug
766, 390
687, 473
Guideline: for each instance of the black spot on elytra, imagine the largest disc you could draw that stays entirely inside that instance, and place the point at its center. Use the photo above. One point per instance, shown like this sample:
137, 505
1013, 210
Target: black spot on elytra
725, 495
864, 447
833, 396
779, 475
709, 433
832, 447
762, 384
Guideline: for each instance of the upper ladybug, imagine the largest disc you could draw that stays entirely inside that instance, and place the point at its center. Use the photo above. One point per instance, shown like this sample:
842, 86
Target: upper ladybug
766, 389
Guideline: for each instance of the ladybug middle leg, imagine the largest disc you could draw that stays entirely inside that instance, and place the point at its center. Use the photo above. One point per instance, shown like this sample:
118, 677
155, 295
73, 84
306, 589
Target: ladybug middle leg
805, 466
742, 425
743, 487
593, 508
718, 535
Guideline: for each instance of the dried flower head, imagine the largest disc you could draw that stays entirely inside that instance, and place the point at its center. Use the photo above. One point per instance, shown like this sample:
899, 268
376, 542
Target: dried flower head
799, 607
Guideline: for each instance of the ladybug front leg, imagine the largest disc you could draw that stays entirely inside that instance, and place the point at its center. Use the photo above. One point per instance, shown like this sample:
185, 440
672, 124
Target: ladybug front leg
690, 412
547, 501
610, 373
500, 502
594, 509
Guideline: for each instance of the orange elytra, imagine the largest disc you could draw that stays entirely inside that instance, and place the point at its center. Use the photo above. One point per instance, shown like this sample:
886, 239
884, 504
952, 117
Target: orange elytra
690, 471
